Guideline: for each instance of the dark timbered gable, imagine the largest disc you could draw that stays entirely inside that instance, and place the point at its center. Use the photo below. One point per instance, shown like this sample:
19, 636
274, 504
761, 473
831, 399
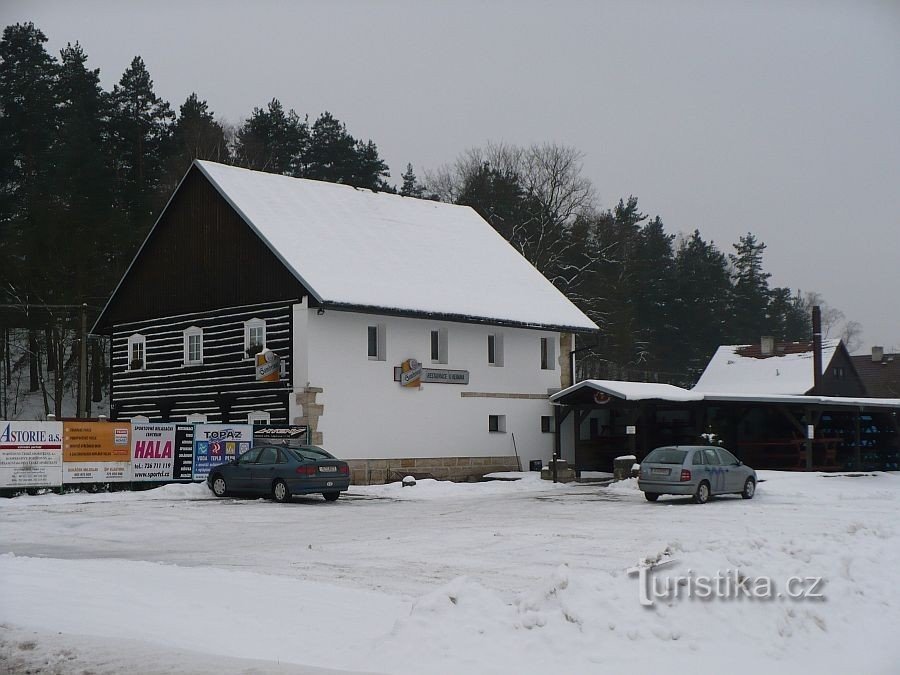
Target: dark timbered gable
202, 266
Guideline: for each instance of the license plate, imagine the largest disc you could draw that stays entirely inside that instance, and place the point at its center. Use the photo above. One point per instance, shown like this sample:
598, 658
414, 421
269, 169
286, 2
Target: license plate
328, 469
660, 472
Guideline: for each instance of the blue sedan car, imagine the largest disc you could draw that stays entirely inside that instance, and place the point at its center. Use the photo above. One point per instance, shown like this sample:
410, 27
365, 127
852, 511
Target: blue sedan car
281, 472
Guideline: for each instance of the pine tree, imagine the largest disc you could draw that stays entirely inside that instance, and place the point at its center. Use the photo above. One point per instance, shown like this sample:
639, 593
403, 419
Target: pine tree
83, 183
196, 135
141, 126
335, 156
411, 186
700, 307
29, 123
750, 294
273, 140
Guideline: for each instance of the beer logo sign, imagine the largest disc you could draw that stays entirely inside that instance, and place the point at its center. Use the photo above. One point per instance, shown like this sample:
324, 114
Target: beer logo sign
410, 373
268, 366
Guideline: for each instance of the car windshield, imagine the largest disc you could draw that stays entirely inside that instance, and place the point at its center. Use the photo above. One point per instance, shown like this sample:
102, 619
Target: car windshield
312, 453
666, 456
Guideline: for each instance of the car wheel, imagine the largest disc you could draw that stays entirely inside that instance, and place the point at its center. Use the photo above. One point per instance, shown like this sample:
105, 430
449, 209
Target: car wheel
749, 489
701, 496
651, 496
280, 492
219, 486
331, 496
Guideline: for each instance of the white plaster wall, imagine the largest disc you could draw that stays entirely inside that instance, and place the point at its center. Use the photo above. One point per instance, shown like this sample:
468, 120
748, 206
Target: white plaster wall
369, 416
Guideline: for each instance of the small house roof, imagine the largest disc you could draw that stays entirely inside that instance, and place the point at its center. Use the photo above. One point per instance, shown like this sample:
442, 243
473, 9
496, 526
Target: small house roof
356, 248
743, 369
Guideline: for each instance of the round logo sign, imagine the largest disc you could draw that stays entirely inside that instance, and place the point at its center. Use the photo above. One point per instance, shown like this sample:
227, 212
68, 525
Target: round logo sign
601, 397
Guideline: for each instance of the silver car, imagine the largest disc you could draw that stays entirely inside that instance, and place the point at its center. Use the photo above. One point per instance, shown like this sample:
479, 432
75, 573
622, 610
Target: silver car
697, 471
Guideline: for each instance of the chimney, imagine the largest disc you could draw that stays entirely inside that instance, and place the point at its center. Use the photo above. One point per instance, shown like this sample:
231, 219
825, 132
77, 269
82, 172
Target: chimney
767, 345
817, 349
877, 354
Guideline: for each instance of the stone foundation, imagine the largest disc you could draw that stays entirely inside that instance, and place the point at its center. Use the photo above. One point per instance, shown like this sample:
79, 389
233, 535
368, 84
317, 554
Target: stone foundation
459, 469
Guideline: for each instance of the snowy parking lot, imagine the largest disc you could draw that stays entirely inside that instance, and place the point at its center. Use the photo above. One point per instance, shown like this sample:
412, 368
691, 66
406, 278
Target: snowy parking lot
498, 577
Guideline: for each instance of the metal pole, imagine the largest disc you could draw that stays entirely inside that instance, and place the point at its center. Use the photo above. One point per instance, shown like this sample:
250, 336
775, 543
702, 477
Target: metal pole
82, 366
557, 440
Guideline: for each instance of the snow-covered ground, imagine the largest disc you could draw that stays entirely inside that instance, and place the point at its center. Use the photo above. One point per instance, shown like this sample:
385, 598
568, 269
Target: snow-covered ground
500, 577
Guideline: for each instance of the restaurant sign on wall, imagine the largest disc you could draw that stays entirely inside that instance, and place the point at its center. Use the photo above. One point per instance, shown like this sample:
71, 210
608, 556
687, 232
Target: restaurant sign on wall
411, 374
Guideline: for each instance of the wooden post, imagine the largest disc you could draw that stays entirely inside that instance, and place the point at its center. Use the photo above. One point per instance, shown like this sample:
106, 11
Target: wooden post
858, 460
82, 365
557, 439
809, 443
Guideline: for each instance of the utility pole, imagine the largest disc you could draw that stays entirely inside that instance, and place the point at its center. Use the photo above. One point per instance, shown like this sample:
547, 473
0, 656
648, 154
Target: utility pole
82, 365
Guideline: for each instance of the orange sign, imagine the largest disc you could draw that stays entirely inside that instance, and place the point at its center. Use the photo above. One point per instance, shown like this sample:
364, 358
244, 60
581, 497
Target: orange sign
96, 442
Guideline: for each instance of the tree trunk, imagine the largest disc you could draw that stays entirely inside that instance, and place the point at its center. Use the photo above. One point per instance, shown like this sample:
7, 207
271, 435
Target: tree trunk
34, 379
59, 355
43, 384
50, 337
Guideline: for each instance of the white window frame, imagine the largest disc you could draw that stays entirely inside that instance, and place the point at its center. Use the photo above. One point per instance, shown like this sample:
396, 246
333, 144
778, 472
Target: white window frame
259, 417
551, 353
501, 424
442, 344
193, 331
498, 350
380, 341
197, 418
248, 328
137, 339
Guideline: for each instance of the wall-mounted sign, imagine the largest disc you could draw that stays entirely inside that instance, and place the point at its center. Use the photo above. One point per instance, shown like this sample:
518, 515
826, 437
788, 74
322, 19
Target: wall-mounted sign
278, 434
601, 398
268, 366
30, 454
431, 376
410, 373
152, 451
219, 443
96, 452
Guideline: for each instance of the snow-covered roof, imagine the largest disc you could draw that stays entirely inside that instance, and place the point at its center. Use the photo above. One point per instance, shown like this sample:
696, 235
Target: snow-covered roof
358, 248
790, 373
632, 391
645, 391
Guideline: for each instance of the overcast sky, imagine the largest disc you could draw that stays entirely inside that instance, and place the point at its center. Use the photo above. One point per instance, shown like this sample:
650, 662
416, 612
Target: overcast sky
781, 118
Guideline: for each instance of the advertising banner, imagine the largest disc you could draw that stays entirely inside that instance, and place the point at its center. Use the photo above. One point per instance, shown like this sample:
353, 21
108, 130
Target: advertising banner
152, 452
281, 434
218, 443
184, 452
96, 452
31, 454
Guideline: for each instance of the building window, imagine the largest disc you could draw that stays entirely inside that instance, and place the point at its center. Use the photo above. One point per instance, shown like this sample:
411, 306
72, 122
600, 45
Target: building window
548, 357
258, 417
197, 418
547, 424
193, 346
497, 423
439, 345
254, 337
495, 349
377, 342
137, 345
838, 372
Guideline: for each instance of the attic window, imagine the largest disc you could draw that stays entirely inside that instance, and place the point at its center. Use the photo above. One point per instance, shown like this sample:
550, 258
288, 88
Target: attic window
838, 372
